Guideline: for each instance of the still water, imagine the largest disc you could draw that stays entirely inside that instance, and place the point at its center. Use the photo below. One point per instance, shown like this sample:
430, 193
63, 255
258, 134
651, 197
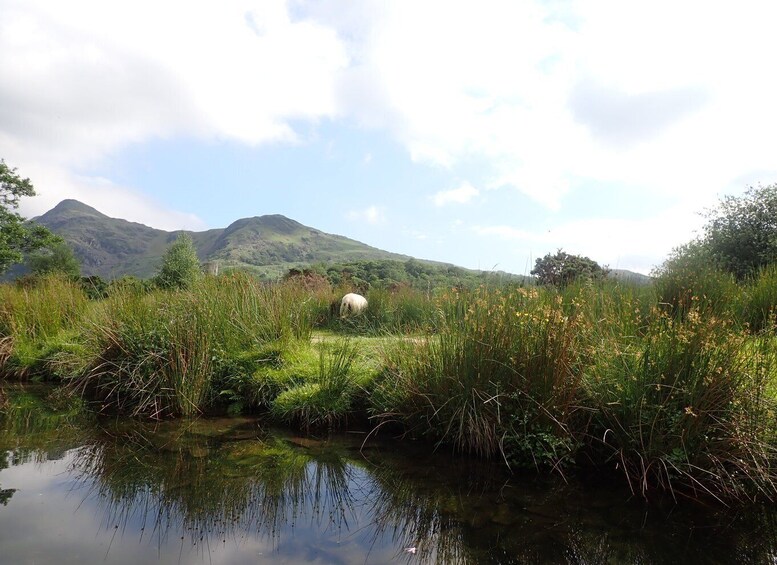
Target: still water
229, 491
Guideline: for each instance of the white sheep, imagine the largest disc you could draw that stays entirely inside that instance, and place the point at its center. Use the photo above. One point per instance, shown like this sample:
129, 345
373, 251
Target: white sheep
352, 303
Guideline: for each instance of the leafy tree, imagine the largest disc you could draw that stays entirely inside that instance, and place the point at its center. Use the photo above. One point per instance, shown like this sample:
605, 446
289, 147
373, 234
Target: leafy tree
56, 258
741, 232
562, 268
180, 265
17, 237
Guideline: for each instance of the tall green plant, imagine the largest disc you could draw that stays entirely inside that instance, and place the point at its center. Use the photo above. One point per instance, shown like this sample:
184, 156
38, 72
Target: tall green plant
326, 399
37, 323
168, 353
682, 409
757, 301
502, 368
180, 266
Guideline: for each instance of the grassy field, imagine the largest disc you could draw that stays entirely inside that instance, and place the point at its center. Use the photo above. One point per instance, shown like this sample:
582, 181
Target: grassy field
672, 387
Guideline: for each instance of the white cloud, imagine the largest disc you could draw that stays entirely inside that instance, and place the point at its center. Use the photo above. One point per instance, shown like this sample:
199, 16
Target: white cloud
373, 215
82, 79
632, 244
461, 195
89, 77
676, 99
52, 185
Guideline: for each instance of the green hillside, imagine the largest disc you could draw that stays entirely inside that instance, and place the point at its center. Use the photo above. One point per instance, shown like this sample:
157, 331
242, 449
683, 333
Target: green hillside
269, 245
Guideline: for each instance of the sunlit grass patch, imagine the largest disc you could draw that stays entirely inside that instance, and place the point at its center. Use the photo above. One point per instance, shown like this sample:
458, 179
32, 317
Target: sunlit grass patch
324, 398
37, 322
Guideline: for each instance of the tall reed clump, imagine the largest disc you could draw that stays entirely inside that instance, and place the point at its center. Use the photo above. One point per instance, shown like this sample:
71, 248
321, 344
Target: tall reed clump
170, 352
682, 408
400, 310
37, 323
501, 375
684, 288
757, 304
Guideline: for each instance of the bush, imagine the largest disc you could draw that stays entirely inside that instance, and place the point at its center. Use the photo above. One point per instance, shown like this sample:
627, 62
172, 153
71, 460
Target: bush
180, 266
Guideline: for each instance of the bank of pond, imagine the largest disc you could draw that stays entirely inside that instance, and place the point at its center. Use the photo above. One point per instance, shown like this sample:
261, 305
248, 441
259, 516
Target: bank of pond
76, 487
667, 390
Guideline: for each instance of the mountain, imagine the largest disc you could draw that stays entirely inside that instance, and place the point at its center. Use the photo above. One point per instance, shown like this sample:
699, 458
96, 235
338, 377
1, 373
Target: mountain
630, 277
270, 245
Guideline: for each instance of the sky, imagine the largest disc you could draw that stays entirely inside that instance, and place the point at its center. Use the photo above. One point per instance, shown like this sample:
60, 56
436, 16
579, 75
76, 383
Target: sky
484, 134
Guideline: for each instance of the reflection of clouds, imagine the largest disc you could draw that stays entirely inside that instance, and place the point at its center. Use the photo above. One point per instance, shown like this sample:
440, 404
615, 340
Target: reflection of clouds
184, 495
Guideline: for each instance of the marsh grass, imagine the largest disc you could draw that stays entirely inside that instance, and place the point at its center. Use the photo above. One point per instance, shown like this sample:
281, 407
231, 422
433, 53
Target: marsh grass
683, 409
757, 301
500, 376
674, 386
37, 322
697, 288
168, 353
325, 399
399, 310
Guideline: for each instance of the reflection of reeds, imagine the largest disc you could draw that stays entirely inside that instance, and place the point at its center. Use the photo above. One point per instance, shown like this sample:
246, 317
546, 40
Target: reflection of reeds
185, 479
215, 496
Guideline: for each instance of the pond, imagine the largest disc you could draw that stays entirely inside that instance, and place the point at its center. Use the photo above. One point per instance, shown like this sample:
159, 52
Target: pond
83, 490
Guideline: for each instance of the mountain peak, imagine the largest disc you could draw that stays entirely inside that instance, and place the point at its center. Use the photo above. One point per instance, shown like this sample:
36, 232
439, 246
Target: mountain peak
70, 205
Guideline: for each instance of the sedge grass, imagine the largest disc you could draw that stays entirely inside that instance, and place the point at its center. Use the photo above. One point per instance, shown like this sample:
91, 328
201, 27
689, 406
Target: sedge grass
503, 366
37, 322
684, 410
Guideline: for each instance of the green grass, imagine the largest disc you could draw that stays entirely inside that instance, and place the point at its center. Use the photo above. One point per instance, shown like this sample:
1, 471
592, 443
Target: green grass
37, 322
502, 366
672, 387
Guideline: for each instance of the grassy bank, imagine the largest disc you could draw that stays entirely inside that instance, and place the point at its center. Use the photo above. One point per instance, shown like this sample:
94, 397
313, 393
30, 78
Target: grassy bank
671, 387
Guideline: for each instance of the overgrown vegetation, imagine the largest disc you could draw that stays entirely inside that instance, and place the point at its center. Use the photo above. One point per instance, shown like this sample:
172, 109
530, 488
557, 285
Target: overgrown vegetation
673, 386
562, 268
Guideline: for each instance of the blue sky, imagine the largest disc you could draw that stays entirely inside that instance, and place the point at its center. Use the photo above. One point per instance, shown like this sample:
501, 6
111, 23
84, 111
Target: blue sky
483, 134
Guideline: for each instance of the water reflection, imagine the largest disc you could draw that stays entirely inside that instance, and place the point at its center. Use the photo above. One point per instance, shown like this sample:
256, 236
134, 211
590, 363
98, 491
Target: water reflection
230, 491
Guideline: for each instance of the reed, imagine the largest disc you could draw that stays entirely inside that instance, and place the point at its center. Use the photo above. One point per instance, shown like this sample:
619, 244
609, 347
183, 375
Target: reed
38, 322
167, 353
683, 409
323, 400
757, 301
502, 375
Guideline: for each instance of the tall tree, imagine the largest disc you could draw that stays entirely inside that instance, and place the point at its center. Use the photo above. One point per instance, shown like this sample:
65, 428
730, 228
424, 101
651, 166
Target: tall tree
18, 237
741, 232
562, 268
56, 258
180, 265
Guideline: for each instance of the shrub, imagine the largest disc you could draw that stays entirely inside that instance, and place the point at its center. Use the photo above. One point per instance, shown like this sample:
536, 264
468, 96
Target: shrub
180, 266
